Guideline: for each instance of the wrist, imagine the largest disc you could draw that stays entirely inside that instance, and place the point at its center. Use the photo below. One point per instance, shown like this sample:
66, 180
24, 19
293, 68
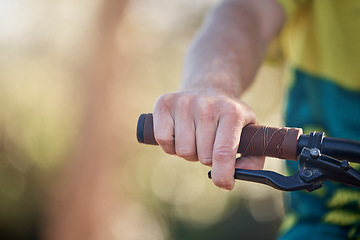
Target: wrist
220, 82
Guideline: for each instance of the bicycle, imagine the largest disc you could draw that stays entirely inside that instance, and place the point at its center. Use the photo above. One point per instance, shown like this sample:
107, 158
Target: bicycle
320, 158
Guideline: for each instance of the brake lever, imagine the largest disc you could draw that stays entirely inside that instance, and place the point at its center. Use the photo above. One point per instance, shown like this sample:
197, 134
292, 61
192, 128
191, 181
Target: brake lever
314, 169
277, 181
314, 166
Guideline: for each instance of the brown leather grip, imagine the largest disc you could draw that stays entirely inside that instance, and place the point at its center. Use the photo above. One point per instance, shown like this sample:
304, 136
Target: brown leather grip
255, 140
259, 140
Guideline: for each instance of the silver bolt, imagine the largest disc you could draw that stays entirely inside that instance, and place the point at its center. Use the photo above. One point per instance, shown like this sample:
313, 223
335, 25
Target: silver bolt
345, 165
314, 152
307, 173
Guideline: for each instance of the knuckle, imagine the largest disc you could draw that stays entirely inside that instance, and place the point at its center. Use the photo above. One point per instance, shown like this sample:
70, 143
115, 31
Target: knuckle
206, 104
251, 117
223, 153
207, 161
167, 97
164, 140
164, 101
187, 154
234, 110
235, 114
207, 111
183, 103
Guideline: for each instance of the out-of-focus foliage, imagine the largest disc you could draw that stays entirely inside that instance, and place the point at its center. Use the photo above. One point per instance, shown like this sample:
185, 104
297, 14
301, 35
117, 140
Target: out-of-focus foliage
44, 48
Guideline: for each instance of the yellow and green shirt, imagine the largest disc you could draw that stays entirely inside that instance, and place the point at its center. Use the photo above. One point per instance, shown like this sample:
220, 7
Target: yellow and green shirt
321, 41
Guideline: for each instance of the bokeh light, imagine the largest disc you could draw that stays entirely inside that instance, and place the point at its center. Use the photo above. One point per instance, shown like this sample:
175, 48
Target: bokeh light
73, 81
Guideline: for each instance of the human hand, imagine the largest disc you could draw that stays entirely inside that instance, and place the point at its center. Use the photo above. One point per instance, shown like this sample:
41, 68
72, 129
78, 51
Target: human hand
205, 126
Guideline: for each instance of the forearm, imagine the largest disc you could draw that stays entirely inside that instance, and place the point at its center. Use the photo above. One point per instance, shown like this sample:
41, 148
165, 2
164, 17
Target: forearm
230, 46
203, 121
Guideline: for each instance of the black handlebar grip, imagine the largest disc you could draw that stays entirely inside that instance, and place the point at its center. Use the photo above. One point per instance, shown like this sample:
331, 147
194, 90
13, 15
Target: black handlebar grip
145, 129
255, 140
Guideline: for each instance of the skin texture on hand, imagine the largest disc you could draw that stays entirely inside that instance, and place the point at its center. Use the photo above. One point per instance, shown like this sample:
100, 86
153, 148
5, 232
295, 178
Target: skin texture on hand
203, 120
207, 126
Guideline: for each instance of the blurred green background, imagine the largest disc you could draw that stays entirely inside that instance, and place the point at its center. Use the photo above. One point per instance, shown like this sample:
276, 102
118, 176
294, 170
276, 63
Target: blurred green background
74, 77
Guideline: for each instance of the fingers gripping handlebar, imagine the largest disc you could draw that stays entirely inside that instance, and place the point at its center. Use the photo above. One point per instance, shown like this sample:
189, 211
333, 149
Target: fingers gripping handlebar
255, 140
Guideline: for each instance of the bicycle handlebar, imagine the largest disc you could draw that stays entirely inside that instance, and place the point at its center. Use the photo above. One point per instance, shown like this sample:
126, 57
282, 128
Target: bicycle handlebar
255, 140
318, 156
338, 148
